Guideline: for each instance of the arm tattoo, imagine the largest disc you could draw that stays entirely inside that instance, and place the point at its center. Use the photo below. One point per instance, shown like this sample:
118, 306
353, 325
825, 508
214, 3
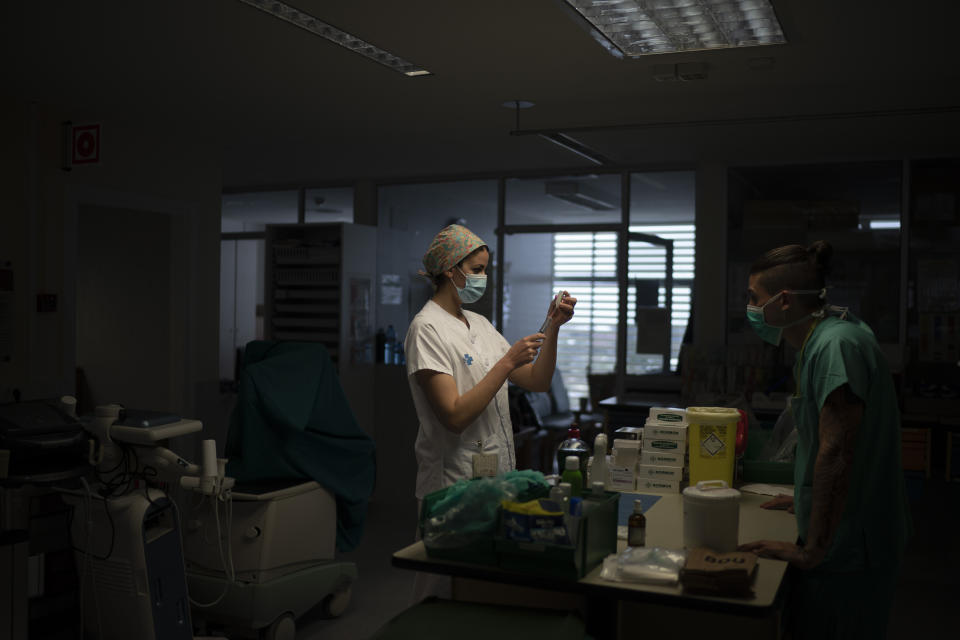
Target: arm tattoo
839, 422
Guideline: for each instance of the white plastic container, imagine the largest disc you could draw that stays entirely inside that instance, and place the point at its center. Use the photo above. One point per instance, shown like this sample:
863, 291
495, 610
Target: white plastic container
659, 472
669, 415
711, 516
598, 463
662, 458
626, 453
659, 430
657, 485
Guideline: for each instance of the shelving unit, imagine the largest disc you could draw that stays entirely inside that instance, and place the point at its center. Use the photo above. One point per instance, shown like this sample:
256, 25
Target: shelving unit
320, 287
931, 381
933, 304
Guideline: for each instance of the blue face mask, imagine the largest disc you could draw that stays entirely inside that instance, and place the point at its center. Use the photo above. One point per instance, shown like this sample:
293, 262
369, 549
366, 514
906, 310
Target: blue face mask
768, 332
474, 287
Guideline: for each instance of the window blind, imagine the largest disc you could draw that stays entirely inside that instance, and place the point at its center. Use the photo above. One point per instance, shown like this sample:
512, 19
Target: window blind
585, 264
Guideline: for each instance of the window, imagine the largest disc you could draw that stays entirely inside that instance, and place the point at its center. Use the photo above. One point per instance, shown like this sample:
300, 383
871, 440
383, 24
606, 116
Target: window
647, 262
585, 264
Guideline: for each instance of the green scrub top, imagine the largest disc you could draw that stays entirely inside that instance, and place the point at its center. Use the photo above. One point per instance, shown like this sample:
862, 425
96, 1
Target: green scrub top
875, 522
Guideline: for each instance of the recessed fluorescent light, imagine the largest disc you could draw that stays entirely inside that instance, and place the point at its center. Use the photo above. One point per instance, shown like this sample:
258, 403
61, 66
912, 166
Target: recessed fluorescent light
884, 224
642, 27
349, 41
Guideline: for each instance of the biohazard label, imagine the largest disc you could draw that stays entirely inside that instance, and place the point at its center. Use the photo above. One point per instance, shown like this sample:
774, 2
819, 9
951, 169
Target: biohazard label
712, 443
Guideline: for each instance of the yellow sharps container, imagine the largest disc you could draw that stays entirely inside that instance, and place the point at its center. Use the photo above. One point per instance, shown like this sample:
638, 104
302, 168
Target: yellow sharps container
712, 435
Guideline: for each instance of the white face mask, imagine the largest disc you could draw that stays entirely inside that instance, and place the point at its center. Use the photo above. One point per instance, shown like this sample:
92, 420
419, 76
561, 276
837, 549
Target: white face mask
474, 287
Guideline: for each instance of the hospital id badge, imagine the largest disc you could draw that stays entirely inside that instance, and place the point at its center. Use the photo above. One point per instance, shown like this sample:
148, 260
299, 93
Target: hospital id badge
484, 465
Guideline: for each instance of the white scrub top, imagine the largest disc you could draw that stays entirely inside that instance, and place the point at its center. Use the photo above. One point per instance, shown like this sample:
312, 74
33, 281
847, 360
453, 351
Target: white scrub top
438, 341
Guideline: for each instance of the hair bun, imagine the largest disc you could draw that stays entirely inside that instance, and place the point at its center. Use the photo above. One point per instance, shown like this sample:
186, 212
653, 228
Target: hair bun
821, 252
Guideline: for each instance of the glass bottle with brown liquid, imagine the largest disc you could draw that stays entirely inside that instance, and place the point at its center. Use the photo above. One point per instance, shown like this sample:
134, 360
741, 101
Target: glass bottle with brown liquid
637, 526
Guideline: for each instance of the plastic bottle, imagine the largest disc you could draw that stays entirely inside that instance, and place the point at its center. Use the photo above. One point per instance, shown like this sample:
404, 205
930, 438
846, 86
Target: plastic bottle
572, 519
390, 338
637, 526
598, 470
379, 349
572, 446
556, 494
565, 493
571, 474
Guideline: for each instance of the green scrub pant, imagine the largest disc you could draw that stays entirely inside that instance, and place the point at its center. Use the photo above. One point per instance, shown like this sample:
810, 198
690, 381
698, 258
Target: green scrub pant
849, 605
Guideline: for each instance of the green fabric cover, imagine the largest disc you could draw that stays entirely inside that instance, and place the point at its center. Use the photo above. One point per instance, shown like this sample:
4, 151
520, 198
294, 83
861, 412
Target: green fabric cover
292, 422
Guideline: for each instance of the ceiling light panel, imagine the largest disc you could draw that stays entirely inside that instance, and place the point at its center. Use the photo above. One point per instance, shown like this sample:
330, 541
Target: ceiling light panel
644, 27
349, 41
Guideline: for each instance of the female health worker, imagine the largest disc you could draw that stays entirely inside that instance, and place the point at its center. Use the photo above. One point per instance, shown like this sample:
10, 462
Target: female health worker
458, 365
849, 496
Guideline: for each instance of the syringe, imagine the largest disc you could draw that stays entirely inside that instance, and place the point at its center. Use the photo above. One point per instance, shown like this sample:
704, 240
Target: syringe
549, 321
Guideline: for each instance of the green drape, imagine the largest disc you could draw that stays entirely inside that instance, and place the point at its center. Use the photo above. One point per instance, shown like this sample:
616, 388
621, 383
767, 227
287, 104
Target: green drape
292, 422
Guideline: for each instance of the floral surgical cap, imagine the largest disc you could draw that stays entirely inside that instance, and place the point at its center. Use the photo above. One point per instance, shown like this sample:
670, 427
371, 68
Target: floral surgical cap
449, 247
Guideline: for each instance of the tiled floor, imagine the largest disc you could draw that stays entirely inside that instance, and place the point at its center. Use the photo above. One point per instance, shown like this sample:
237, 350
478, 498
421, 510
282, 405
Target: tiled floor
381, 591
926, 604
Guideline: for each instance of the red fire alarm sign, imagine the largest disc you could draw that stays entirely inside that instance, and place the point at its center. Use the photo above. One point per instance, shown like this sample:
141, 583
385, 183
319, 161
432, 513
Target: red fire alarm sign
86, 144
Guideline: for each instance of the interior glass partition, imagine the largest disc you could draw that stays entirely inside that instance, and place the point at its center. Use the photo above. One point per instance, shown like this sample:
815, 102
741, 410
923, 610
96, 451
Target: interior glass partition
566, 199
663, 204
409, 216
556, 244
562, 234
856, 207
253, 211
333, 204
243, 220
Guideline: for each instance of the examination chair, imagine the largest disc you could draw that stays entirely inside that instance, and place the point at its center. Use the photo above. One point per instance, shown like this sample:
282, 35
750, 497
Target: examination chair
304, 471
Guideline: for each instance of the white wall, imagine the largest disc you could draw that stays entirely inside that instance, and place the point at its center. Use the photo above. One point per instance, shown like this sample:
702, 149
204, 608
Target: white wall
17, 227
124, 294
